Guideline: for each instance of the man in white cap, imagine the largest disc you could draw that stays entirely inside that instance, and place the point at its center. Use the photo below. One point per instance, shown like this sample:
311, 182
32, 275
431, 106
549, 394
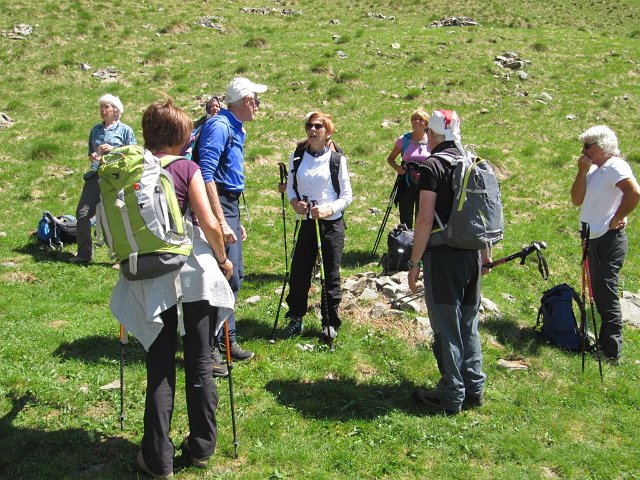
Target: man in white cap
451, 279
221, 159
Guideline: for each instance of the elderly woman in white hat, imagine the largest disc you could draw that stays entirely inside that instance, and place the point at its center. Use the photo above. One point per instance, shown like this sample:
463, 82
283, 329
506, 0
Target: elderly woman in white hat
104, 137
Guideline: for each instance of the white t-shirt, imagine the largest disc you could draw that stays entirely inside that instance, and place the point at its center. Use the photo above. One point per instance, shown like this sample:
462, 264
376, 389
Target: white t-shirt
602, 197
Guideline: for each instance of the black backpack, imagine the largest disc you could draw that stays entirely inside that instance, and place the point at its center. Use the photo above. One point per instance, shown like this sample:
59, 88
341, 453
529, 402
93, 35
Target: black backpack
556, 320
54, 232
399, 246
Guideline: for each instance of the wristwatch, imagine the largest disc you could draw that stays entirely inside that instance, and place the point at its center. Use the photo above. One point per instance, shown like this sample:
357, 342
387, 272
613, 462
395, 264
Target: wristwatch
411, 265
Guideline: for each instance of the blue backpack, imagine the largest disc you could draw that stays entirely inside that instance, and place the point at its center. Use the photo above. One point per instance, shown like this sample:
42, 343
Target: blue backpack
556, 320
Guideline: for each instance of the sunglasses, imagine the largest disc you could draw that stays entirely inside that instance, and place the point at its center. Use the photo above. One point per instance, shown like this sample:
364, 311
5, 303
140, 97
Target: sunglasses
314, 126
256, 100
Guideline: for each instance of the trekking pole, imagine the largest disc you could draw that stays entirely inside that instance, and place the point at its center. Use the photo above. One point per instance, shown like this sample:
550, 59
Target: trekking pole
585, 233
323, 289
123, 339
283, 179
409, 297
229, 370
537, 247
286, 280
246, 209
392, 199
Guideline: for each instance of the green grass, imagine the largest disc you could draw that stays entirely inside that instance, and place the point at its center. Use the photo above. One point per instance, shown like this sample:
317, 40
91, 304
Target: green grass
317, 414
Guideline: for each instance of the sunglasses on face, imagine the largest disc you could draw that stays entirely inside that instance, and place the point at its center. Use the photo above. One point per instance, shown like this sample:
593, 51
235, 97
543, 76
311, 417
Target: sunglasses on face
256, 100
314, 126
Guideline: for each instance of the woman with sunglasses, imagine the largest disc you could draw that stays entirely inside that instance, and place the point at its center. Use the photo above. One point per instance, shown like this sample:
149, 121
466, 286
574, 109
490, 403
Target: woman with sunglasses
319, 206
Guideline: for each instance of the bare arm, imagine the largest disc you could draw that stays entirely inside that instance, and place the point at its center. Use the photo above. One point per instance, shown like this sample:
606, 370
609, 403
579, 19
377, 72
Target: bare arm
391, 160
422, 232
208, 222
630, 198
214, 201
579, 187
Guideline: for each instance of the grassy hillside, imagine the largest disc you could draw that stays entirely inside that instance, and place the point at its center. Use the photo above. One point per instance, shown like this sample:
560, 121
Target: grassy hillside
314, 414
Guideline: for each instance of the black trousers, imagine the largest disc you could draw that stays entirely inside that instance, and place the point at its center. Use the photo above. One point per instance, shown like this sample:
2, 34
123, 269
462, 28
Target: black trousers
201, 390
606, 257
304, 258
408, 200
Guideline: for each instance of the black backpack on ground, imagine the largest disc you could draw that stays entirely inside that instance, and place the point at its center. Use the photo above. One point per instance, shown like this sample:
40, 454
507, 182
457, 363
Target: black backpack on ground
556, 320
53, 232
399, 246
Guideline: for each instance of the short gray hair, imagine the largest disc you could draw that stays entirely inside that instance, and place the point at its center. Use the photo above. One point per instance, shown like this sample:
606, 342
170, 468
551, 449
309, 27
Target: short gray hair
113, 101
602, 136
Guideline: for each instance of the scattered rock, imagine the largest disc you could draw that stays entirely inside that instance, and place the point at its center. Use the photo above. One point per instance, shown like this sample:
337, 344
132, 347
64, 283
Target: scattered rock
513, 364
3, 234
211, 21
111, 386
395, 46
85, 388
85, 66
305, 347
8, 264
341, 54
368, 294
379, 16
19, 32
487, 307
544, 96
484, 110
511, 60
268, 11
389, 123
509, 297
5, 121
424, 326
454, 22
630, 304
253, 300
522, 75
374, 211
334, 21
107, 75
378, 310
570, 117
494, 343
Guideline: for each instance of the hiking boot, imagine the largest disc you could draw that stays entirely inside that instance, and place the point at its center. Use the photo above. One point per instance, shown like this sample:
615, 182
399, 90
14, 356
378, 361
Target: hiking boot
329, 333
79, 260
294, 328
237, 352
429, 398
186, 451
473, 401
143, 466
218, 365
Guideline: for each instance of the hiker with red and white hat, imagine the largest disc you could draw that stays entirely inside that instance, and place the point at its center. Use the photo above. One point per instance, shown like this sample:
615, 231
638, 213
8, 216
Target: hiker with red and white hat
451, 279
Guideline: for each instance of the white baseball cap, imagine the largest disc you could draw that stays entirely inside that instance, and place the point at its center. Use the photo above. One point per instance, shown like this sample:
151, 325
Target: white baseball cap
242, 87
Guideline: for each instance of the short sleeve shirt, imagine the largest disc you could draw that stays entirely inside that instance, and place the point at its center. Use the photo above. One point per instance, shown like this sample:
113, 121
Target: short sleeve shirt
435, 176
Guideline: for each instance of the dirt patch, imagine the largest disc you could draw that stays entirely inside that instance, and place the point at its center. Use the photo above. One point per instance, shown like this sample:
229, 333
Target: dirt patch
18, 277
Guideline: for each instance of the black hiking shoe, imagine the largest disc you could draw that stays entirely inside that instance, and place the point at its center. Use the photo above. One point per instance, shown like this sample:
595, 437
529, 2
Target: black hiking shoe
237, 352
186, 451
429, 398
294, 328
473, 401
218, 365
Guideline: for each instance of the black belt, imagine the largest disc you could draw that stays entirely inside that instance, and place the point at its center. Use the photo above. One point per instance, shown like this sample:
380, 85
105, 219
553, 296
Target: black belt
228, 193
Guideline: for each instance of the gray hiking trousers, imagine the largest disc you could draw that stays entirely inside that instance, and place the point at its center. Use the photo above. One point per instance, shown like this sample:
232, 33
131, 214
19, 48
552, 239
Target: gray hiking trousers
452, 295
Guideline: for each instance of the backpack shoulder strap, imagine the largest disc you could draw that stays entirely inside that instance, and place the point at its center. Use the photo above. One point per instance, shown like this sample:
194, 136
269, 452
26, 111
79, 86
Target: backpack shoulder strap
406, 138
169, 159
334, 168
197, 133
297, 160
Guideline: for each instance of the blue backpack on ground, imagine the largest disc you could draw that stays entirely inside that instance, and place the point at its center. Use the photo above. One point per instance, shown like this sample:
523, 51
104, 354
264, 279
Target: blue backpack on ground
54, 232
556, 320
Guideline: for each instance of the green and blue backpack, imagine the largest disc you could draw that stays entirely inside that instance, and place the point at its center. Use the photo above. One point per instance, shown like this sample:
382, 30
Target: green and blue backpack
139, 214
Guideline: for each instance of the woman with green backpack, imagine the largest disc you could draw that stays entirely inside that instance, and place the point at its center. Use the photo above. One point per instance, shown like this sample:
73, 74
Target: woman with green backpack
151, 310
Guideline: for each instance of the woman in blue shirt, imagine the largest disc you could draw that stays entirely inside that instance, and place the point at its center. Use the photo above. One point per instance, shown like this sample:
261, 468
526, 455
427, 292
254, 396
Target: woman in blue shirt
104, 137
